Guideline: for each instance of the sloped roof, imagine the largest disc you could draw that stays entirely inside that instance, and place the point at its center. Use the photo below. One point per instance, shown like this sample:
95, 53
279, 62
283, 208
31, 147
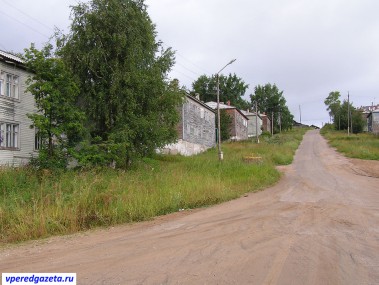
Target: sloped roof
213, 105
368, 109
247, 113
10, 57
199, 102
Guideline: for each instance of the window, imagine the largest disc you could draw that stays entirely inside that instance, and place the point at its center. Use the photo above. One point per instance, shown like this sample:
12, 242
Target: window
1, 83
9, 85
37, 140
9, 135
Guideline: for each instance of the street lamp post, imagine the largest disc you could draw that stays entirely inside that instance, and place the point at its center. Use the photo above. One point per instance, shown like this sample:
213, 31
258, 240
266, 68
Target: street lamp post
220, 154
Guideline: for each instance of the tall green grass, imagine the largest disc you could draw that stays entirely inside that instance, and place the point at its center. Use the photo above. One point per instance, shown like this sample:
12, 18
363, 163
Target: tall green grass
35, 205
363, 146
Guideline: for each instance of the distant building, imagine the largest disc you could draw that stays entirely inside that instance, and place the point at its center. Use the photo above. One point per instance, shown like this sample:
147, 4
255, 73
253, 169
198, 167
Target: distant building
252, 126
266, 123
17, 139
366, 111
373, 122
238, 129
196, 129
299, 125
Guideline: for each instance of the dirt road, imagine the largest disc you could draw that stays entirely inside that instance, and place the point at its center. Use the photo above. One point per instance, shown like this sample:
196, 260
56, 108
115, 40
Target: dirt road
319, 225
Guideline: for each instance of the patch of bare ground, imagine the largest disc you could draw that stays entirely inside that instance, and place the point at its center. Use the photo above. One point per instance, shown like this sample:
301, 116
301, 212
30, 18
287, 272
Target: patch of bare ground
366, 167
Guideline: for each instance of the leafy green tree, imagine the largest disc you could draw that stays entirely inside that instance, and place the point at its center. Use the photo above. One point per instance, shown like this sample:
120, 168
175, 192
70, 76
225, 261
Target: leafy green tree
271, 101
122, 69
225, 125
358, 121
58, 121
341, 118
333, 103
232, 88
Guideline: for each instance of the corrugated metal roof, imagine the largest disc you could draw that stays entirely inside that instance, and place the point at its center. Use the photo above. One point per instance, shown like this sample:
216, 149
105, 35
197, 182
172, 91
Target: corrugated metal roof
9, 56
246, 113
213, 105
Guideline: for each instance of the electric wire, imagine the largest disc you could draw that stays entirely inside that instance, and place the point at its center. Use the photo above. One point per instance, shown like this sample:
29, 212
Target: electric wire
26, 25
27, 15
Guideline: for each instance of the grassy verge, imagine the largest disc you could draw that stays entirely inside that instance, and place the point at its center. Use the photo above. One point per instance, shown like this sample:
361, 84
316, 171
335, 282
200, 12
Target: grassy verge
34, 206
363, 146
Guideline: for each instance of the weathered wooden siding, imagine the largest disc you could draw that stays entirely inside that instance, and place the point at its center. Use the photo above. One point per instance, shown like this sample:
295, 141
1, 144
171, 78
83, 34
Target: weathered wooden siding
238, 129
373, 124
251, 126
14, 111
198, 124
196, 129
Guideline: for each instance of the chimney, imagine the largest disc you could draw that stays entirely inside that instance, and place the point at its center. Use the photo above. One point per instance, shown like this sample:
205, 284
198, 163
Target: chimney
228, 102
197, 96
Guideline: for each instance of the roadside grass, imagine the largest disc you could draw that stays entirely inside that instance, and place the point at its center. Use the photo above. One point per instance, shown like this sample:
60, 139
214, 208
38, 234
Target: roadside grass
36, 205
362, 146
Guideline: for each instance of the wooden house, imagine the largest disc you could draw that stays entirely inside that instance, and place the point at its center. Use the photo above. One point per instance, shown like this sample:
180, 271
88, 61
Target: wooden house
196, 128
17, 139
238, 129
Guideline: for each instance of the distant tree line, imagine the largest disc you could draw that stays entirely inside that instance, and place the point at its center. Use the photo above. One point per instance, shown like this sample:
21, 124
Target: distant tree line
344, 115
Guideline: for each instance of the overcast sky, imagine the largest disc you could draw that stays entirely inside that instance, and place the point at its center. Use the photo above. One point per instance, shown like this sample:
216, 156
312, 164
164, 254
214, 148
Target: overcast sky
307, 48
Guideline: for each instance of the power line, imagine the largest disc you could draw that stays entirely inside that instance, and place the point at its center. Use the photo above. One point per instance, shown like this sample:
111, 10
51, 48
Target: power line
22, 23
188, 69
186, 75
27, 15
195, 65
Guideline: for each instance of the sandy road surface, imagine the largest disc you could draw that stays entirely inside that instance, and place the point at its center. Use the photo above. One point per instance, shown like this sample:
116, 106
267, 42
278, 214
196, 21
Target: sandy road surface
319, 225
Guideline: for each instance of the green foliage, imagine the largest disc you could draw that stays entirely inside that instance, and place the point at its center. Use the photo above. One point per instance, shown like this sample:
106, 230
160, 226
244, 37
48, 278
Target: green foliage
271, 101
232, 88
358, 121
34, 206
333, 103
93, 154
341, 118
225, 125
58, 121
339, 113
362, 145
327, 128
121, 70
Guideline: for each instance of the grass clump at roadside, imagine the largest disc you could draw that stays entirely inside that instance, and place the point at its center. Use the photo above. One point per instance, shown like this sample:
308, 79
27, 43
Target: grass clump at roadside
362, 146
35, 205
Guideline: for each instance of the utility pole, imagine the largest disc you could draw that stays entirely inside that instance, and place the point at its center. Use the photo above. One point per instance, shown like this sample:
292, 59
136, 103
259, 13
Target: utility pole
272, 123
348, 113
256, 121
300, 112
280, 122
220, 153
